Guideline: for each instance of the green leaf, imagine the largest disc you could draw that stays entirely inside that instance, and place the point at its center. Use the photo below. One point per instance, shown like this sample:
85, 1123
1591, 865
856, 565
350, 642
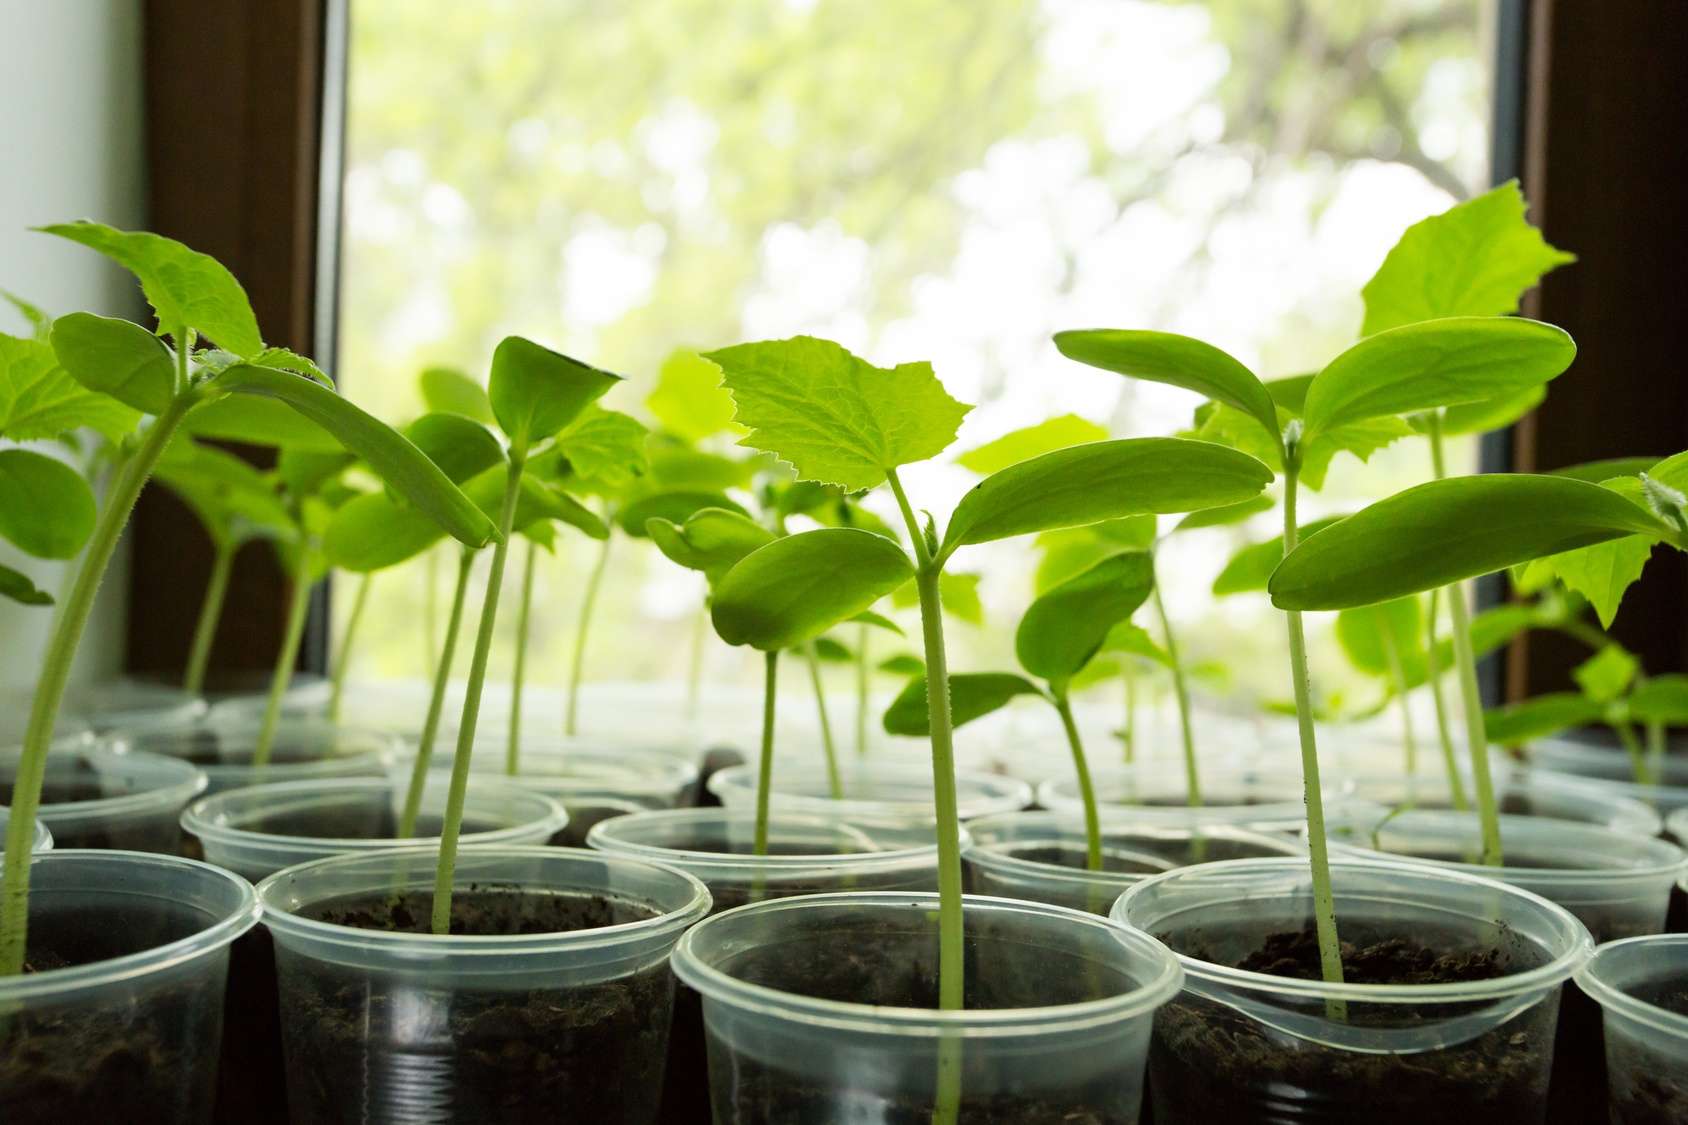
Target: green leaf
1362, 631
679, 466
1447, 531
446, 390
878, 621
1226, 516
832, 651
1032, 441
1660, 699
535, 391
689, 400
46, 508
18, 587
802, 585
1085, 484
958, 593
183, 286
387, 452
1601, 573
374, 532
1067, 626
833, 417
461, 447
39, 325
1607, 674
1251, 568
1478, 258
117, 358
712, 540
1134, 640
233, 500
1434, 364
1597, 471
1518, 723
1163, 357
674, 505
973, 695
39, 398
1491, 413
606, 448
287, 360
903, 664
1227, 426
1672, 471
537, 500
257, 421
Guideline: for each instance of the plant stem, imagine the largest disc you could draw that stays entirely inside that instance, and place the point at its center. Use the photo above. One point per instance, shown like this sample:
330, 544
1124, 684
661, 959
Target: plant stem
694, 675
1471, 699
862, 638
1318, 848
765, 764
571, 721
298, 606
518, 674
1632, 746
1086, 791
1655, 749
430, 606
1130, 729
1181, 692
1433, 667
1398, 676
453, 823
343, 659
436, 700
210, 613
834, 784
55, 673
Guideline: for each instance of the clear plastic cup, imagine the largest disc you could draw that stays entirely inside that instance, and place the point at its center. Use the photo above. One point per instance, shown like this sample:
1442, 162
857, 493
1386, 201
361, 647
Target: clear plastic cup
824, 1008
43, 838
95, 796
1641, 985
397, 707
247, 686
1518, 792
261, 829
871, 792
134, 703
303, 749
1607, 770
120, 1020
1240, 1044
562, 1016
1265, 800
1041, 856
14, 720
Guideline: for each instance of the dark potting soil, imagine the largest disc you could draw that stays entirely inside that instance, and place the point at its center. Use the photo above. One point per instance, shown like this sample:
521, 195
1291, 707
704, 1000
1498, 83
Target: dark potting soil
1649, 1087
1178, 853
360, 1050
157, 833
146, 1055
251, 1080
1209, 1062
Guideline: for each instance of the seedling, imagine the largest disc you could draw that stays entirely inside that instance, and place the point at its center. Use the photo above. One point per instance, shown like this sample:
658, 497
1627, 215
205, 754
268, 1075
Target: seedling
839, 420
246, 389
1355, 403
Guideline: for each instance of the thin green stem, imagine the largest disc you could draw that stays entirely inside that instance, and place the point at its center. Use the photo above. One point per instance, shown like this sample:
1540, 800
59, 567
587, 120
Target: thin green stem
694, 674
834, 783
1398, 680
430, 606
1181, 692
765, 763
55, 674
1632, 746
343, 658
436, 699
518, 674
863, 636
1444, 733
571, 721
210, 613
1086, 791
298, 608
1655, 749
459, 789
1129, 731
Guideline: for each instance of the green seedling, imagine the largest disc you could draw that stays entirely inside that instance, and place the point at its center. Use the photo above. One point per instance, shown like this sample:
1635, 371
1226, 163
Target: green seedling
1061, 632
1357, 402
839, 420
194, 298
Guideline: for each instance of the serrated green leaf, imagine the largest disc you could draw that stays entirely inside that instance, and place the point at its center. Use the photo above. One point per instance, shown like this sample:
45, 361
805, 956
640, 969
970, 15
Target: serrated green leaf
1217, 422
712, 540
1032, 441
1251, 567
535, 391
1226, 516
46, 508
800, 586
1067, 626
1478, 258
117, 358
1362, 634
1607, 674
446, 390
1518, 723
833, 417
285, 359
903, 664
689, 400
973, 695
17, 586
39, 398
1601, 573
1447, 531
183, 286
674, 505
1182, 361
606, 448
1660, 699
1437, 363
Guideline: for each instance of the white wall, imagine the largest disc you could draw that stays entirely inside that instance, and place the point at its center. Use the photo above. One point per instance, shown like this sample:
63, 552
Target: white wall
71, 146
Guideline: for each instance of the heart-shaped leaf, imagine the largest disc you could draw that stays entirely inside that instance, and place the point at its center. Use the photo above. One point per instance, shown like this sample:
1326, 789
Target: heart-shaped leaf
606, 449
445, 390
689, 400
46, 508
1067, 626
535, 391
973, 695
117, 358
1607, 674
800, 586
39, 398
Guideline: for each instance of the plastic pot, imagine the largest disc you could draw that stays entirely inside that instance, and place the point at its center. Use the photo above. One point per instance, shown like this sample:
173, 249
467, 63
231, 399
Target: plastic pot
1519, 793
303, 749
95, 796
553, 1007
120, 1022
43, 838
130, 703
1242, 1045
871, 792
1041, 856
1607, 770
1265, 800
823, 1009
1641, 985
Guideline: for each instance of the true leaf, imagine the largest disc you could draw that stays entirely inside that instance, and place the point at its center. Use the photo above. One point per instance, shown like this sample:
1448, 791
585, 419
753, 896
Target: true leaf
1067, 626
39, 323
286, 359
233, 500
184, 287
1607, 674
1251, 568
535, 391
117, 358
1518, 723
1032, 441
802, 585
445, 390
1672, 471
1447, 531
688, 399
679, 466
958, 594
39, 398
1660, 699
46, 508
1601, 573
1217, 422
833, 417
17, 586
972, 695
606, 448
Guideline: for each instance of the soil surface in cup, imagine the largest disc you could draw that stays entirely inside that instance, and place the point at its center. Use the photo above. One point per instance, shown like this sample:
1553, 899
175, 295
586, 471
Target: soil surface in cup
590, 1052
155, 833
1209, 1062
1172, 853
146, 1053
1650, 1087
